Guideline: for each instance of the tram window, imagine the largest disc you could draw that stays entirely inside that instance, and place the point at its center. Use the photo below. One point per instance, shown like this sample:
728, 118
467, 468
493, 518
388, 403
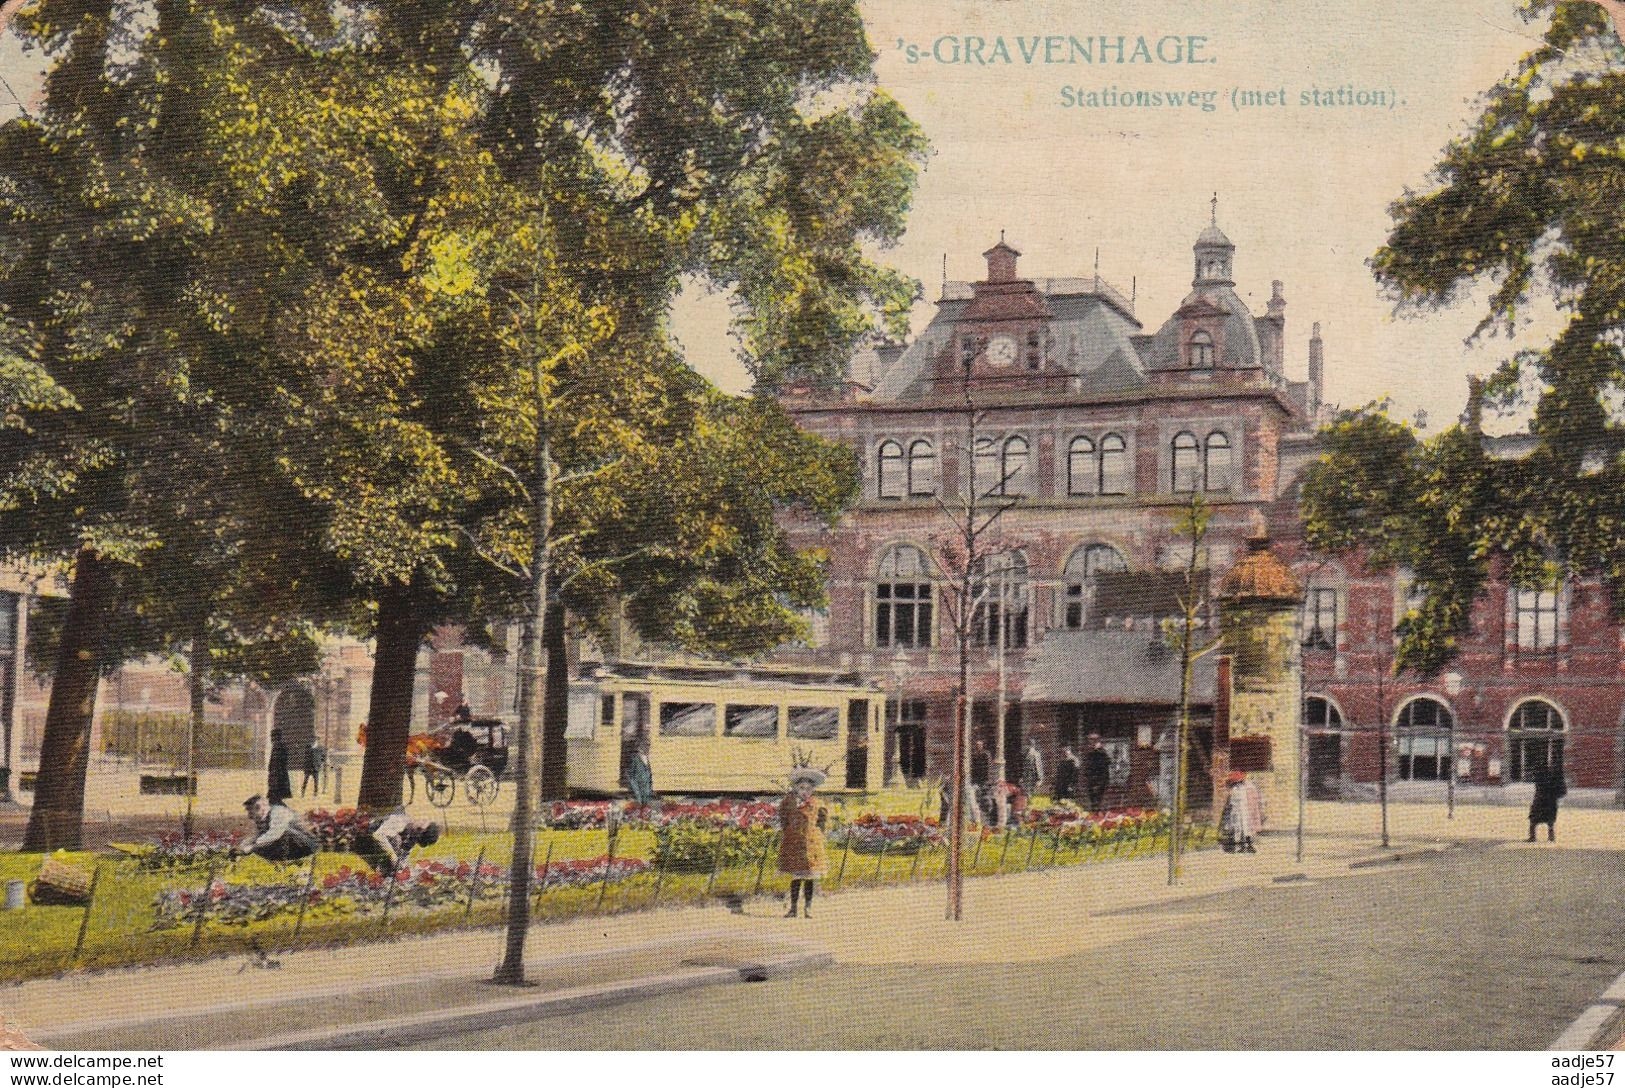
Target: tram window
750, 721
688, 719
815, 722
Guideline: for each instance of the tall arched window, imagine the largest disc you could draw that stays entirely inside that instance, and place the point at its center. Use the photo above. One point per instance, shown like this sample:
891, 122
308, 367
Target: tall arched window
922, 468
902, 598
1187, 463
987, 467
1114, 468
1216, 463
1534, 739
1078, 578
1201, 349
1013, 462
1002, 596
1423, 728
1081, 467
889, 470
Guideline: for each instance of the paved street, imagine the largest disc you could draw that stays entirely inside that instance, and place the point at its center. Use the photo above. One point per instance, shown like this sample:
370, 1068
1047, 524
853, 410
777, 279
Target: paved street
1475, 940
1477, 948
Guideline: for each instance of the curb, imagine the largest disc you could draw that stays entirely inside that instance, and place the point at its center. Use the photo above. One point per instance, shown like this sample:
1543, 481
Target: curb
727, 969
519, 1010
1598, 1027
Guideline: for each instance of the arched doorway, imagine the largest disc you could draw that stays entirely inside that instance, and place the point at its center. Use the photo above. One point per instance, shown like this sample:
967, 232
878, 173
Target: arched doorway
1323, 724
294, 716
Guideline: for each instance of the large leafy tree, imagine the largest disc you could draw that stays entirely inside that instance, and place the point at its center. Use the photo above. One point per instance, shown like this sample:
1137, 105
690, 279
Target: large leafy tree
302, 216
1528, 202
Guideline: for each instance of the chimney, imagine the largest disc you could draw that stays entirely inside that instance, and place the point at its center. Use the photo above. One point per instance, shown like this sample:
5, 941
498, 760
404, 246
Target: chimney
1273, 331
1317, 372
1472, 417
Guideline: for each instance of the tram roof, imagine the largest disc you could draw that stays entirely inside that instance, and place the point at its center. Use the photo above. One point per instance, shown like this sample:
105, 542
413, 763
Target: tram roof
720, 672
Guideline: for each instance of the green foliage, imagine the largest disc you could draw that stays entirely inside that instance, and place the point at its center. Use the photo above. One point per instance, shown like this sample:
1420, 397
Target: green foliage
1525, 202
688, 847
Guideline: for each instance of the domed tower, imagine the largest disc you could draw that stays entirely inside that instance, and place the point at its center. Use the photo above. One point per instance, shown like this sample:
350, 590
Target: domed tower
1259, 601
1215, 255
1213, 335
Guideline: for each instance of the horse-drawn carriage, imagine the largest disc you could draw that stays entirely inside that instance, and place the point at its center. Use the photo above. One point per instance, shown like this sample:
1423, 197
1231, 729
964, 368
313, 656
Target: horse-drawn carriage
474, 751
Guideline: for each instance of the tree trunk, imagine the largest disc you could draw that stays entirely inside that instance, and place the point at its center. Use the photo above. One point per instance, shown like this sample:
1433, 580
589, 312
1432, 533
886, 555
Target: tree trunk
399, 633
555, 708
197, 682
56, 820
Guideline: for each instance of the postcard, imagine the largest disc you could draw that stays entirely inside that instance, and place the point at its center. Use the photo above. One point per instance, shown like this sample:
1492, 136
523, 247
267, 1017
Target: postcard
838, 525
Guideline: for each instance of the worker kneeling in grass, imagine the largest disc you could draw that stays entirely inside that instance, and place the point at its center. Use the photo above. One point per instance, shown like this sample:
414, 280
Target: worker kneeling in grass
392, 840
280, 834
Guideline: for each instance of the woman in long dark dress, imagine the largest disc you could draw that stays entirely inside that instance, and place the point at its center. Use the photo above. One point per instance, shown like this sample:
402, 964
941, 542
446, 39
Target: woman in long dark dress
278, 786
1549, 788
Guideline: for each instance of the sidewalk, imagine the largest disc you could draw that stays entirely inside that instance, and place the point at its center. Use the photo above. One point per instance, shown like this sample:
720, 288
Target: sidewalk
368, 995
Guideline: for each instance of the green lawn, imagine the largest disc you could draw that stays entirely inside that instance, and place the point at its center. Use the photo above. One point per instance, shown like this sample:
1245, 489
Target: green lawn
40, 941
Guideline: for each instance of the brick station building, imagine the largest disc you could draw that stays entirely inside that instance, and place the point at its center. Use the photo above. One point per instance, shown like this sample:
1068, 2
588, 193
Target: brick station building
1096, 430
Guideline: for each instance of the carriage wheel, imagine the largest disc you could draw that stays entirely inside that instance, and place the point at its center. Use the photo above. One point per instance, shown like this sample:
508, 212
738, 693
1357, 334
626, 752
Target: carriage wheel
480, 786
439, 787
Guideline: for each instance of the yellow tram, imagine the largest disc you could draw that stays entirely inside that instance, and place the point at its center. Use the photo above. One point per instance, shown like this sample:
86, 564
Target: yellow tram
723, 729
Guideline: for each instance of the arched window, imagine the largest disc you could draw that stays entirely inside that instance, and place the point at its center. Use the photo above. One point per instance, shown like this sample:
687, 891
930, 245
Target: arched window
922, 468
1013, 466
1321, 714
902, 598
1081, 467
1002, 595
1216, 463
987, 467
1078, 578
1534, 739
1201, 351
1424, 727
889, 470
1114, 470
1187, 463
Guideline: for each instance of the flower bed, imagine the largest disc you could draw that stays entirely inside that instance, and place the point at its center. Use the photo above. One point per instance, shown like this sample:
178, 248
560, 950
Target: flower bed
171, 853
1076, 827
338, 830
871, 833
687, 846
426, 886
594, 815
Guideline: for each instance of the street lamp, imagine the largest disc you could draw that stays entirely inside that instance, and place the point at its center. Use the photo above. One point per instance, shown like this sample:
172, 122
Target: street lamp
1452, 688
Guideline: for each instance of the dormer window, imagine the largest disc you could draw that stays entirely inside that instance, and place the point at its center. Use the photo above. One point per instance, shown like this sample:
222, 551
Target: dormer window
1201, 352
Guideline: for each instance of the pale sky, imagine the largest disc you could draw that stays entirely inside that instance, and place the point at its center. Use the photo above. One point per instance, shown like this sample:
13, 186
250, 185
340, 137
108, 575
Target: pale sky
1303, 191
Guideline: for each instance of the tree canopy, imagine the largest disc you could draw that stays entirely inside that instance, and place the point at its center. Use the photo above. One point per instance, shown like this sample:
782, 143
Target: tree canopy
272, 276
1528, 203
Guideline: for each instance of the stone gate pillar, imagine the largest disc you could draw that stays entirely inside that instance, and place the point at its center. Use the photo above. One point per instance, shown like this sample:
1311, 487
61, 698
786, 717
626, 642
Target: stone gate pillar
1259, 601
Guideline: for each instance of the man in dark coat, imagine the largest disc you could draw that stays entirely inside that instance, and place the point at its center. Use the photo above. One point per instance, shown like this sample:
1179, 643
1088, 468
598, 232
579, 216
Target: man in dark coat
278, 786
1549, 787
1097, 772
1066, 776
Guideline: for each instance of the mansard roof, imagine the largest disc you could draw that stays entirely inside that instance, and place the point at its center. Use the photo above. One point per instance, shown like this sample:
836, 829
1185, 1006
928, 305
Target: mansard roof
1091, 327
